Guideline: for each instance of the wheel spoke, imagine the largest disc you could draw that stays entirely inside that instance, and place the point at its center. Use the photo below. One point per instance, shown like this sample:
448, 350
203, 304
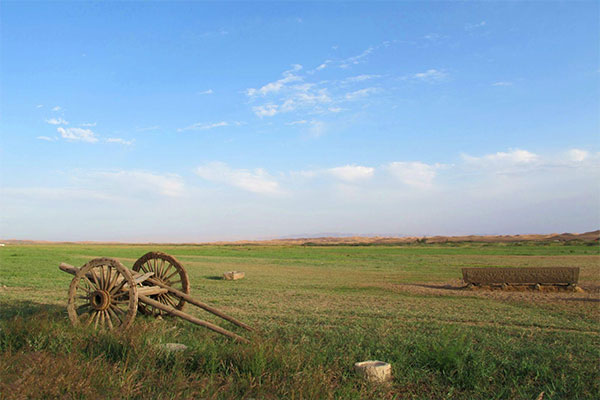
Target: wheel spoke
102, 319
95, 277
168, 268
116, 309
114, 315
169, 300
83, 309
108, 320
92, 318
169, 277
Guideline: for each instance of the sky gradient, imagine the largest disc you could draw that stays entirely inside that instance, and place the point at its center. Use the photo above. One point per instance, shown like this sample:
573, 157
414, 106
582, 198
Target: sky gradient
193, 121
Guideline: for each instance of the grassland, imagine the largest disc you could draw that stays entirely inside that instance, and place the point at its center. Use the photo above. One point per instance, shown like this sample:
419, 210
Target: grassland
318, 310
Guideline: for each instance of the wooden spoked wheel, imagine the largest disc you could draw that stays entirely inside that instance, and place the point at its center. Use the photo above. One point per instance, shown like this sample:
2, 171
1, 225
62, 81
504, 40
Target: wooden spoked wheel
168, 271
103, 293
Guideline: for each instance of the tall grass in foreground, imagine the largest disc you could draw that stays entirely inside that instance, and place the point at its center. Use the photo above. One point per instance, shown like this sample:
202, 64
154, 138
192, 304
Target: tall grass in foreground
42, 356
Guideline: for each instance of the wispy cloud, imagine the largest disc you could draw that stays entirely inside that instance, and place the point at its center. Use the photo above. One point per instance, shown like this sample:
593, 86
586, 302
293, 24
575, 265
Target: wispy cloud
302, 121
267, 110
57, 108
578, 155
352, 173
39, 106
502, 83
431, 75
512, 157
120, 141
274, 87
201, 126
255, 181
361, 93
416, 174
89, 124
477, 25
57, 121
360, 78
170, 185
209, 91
46, 138
78, 134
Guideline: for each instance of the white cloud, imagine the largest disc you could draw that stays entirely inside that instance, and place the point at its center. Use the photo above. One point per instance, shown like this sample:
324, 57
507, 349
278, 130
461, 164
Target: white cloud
170, 185
323, 65
120, 141
84, 135
415, 174
352, 173
89, 124
317, 128
502, 83
255, 181
357, 59
577, 155
267, 110
361, 93
470, 27
512, 157
46, 138
39, 106
209, 91
302, 121
200, 126
431, 75
360, 78
57, 121
274, 87
335, 109
57, 108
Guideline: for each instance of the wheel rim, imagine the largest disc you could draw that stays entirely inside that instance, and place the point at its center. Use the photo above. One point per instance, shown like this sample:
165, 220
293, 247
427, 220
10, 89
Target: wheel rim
103, 294
168, 271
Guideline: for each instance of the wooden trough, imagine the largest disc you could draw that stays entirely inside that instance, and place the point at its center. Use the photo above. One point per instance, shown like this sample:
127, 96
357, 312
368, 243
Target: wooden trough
108, 295
521, 276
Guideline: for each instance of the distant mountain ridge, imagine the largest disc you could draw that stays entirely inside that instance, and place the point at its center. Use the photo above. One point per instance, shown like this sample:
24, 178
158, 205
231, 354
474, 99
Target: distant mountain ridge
593, 236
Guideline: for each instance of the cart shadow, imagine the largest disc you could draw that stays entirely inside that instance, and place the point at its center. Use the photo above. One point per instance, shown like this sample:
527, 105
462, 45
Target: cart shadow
27, 308
213, 277
444, 287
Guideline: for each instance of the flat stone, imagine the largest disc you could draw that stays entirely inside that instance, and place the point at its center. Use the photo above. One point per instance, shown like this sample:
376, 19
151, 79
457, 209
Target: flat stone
233, 275
375, 371
173, 347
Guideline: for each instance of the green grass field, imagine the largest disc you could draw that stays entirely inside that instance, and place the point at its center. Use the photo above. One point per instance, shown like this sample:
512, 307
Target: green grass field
317, 309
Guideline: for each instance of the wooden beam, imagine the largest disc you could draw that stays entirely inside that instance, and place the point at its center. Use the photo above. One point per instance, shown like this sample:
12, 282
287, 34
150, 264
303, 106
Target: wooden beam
197, 303
189, 318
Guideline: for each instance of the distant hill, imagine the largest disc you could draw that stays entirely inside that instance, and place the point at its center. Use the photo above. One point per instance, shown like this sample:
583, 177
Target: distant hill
593, 236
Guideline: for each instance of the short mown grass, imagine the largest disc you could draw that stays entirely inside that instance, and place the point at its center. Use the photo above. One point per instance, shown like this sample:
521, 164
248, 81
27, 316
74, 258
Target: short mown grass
317, 310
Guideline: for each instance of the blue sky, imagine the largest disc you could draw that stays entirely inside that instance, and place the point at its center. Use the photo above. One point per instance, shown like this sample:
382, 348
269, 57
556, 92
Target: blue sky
192, 121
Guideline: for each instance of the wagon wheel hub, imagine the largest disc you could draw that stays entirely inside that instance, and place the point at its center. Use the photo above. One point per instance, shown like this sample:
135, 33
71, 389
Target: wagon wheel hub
100, 300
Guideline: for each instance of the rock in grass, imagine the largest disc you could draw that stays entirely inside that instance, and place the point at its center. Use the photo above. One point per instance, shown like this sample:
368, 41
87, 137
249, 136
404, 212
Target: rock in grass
233, 275
173, 347
375, 371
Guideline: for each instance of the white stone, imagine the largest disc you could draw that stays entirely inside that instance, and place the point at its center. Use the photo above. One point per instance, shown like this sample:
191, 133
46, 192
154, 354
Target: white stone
375, 371
173, 347
233, 275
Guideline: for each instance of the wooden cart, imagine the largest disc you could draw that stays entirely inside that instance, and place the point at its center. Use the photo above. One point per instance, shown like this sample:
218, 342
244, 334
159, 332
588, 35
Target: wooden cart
108, 295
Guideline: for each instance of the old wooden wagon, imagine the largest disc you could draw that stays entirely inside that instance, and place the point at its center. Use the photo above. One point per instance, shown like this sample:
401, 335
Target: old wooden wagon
107, 295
